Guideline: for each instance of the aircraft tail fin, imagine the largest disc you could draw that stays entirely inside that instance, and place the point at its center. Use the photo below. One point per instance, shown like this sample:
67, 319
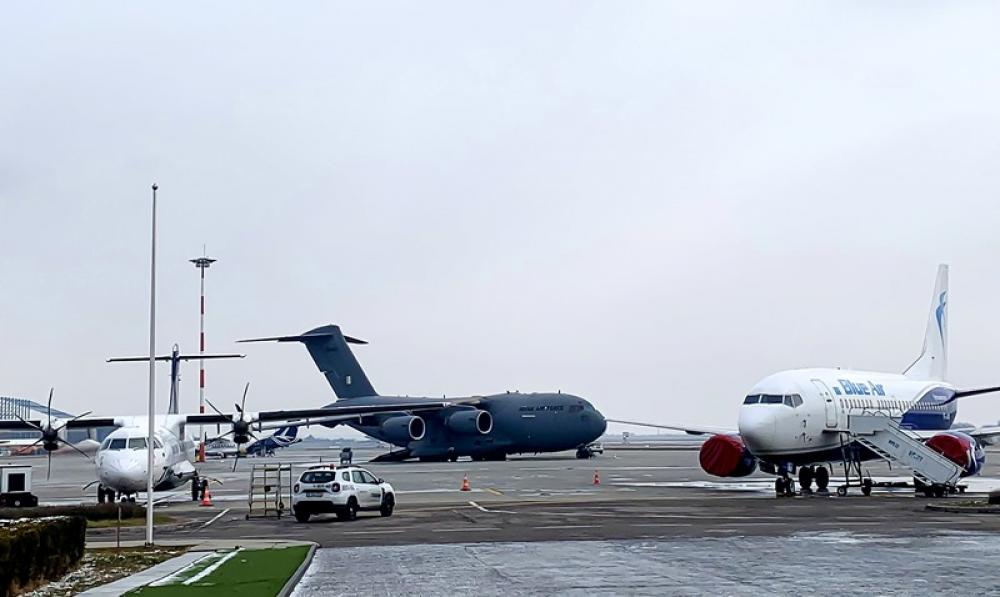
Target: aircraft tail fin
933, 360
329, 349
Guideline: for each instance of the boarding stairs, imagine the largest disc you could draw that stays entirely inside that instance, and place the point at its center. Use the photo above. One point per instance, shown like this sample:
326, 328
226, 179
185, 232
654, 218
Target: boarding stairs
270, 490
883, 436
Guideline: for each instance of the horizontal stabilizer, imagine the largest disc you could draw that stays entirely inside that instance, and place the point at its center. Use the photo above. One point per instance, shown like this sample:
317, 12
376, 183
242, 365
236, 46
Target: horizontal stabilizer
303, 338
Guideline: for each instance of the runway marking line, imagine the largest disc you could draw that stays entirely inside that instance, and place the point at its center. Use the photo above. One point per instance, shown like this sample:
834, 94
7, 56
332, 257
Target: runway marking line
482, 509
214, 518
375, 532
569, 526
466, 529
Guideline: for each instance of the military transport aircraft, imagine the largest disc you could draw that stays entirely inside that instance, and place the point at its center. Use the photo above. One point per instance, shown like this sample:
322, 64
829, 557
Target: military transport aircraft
481, 427
805, 419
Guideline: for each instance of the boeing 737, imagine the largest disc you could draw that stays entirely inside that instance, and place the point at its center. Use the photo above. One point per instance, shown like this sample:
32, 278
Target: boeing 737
804, 419
481, 427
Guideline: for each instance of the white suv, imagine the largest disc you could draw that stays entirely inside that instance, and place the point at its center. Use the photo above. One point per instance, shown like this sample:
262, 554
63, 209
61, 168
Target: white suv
340, 489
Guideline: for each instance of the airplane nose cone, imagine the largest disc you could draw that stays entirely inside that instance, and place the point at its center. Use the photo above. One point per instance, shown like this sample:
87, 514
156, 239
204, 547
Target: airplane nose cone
123, 474
757, 427
601, 424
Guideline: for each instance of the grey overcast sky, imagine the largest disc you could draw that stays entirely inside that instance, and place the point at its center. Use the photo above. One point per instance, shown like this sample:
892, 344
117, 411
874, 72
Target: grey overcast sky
652, 205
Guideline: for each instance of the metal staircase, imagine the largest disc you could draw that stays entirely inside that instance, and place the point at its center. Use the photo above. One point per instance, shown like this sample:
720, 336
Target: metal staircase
270, 490
884, 437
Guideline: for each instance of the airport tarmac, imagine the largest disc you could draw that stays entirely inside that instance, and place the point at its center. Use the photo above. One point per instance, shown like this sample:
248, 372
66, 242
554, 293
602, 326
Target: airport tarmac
642, 495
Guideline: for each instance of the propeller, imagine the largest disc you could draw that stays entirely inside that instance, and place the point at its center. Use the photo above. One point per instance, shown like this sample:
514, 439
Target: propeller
241, 430
50, 438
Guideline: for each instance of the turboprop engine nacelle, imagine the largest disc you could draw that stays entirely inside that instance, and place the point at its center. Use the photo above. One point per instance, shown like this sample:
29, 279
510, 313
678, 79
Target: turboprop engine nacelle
726, 456
961, 449
470, 422
404, 429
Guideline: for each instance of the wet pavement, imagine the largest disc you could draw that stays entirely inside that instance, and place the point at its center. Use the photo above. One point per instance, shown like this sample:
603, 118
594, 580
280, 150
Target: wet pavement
806, 563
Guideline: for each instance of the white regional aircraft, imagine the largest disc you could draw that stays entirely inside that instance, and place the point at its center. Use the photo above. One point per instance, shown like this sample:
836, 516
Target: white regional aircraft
121, 459
804, 419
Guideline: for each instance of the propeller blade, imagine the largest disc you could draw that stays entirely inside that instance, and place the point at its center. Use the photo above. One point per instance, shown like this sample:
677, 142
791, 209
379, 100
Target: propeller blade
81, 452
48, 469
51, 390
28, 423
245, 389
61, 427
236, 460
230, 432
217, 411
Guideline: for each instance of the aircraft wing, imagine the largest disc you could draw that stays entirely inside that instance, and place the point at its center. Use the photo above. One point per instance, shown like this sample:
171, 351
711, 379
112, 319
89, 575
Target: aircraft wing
312, 415
316, 415
689, 429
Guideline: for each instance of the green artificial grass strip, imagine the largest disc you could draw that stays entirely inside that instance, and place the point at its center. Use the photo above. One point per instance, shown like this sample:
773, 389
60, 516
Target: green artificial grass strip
250, 573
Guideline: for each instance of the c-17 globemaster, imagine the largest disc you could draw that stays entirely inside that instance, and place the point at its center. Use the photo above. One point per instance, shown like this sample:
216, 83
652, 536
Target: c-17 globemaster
482, 427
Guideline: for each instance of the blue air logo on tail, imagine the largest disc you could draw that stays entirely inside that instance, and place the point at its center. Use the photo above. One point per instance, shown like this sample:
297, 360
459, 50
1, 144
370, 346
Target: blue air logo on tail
939, 312
282, 438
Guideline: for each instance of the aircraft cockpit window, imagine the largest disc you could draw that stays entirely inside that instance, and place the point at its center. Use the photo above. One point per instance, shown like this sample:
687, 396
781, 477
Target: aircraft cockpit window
157, 444
575, 408
771, 398
792, 400
117, 444
107, 442
752, 399
137, 443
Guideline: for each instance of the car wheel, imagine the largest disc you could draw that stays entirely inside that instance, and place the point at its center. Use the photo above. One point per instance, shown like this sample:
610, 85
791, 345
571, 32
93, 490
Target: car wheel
301, 516
388, 505
350, 512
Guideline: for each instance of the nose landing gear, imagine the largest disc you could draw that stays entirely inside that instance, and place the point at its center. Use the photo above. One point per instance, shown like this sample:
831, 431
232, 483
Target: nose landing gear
784, 486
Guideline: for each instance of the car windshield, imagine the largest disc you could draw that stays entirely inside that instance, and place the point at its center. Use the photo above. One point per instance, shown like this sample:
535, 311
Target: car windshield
318, 476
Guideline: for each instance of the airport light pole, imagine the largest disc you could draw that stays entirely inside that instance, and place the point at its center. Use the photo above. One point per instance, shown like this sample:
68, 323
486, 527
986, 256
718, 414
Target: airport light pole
152, 381
202, 263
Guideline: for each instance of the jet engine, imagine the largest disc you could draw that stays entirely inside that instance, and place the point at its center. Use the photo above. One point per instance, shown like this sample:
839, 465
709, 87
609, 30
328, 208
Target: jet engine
726, 456
404, 429
470, 422
961, 449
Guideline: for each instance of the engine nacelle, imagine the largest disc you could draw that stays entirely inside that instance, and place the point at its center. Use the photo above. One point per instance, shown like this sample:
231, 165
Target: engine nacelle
726, 456
403, 429
961, 449
470, 422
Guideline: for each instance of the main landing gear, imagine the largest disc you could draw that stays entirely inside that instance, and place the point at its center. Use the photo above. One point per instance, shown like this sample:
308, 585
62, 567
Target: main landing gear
810, 474
784, 485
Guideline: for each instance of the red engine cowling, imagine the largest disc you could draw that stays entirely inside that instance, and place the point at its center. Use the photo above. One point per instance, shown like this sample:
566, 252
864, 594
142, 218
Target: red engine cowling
726, 456
961, 449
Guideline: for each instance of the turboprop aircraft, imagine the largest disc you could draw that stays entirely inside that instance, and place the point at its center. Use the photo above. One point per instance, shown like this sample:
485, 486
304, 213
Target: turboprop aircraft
805, 419
121, 462
481, 427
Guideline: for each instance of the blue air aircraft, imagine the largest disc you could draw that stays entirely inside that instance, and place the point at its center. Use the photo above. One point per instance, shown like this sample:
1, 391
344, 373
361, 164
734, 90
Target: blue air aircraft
281, 438
805, 419
481, 427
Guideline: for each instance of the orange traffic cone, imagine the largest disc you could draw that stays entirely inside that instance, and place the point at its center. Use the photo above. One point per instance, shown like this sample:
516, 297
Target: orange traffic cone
206, 500
465, 483
597, 477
